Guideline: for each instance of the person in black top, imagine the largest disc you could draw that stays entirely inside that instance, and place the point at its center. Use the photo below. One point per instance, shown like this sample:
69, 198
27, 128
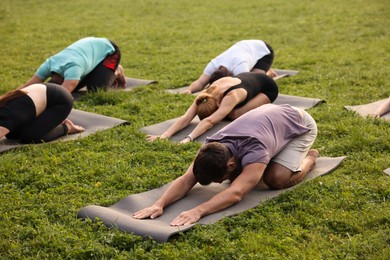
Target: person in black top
228, 97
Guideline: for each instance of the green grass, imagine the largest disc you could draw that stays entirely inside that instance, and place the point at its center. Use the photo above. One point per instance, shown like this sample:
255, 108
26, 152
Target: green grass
342, 50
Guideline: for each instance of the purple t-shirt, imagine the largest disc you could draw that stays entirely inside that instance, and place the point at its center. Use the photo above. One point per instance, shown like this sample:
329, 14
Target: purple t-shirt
261, 133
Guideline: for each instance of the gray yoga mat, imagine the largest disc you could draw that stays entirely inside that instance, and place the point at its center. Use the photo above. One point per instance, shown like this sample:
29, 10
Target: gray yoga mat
131, 83
284, 73
387, 171
160, 128
134, 82
90, 121
296, 101
119, 215
369, 109
279, 72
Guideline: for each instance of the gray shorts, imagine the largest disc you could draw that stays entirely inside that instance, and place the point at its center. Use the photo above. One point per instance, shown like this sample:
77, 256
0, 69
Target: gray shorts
295, 151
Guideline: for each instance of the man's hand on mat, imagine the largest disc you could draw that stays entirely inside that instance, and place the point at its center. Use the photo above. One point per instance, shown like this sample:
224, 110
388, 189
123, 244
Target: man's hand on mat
152, 212
186, 218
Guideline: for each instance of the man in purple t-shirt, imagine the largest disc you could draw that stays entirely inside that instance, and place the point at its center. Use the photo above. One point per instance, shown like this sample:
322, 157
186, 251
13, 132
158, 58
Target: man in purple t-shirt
267, 146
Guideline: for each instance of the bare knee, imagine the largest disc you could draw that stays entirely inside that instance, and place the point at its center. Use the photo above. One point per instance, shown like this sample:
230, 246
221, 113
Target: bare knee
276, 176
273, 182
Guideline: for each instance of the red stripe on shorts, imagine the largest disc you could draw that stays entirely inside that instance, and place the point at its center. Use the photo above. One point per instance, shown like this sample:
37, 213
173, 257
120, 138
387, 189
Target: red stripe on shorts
111, 61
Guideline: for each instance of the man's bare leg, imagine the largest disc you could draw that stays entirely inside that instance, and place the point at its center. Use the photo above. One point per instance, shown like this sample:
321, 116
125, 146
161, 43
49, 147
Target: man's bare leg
277, 177
306, 166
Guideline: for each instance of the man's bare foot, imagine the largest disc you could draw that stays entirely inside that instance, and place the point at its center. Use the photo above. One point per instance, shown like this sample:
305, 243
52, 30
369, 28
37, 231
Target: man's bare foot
120, 77
72, 128
314, 154
271, 73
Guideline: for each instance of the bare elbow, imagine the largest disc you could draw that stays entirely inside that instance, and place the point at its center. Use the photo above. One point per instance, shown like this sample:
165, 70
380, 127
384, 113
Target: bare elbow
208, 123
237, 197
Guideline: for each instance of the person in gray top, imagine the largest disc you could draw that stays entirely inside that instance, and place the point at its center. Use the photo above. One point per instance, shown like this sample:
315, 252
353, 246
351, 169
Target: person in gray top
267, 147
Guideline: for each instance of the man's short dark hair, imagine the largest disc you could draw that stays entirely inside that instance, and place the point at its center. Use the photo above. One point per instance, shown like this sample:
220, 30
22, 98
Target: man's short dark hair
211, 163
220, 73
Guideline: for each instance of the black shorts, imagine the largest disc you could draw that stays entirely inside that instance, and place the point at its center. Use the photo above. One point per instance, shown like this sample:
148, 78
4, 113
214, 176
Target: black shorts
265, 63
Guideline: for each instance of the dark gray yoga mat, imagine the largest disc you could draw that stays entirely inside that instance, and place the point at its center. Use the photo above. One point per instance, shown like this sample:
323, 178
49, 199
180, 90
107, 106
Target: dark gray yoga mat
119, 215
160, 128
279, 72
90, 121
369, 109
134, 82
297, 101
131, 83
284, 73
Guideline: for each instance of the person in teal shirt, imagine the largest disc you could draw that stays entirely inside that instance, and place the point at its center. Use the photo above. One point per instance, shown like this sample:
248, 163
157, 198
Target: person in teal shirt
92, 62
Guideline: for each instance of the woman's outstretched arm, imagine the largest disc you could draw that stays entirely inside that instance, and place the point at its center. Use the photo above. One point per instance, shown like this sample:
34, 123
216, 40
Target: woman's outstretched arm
227, 105
198, 84
181, 123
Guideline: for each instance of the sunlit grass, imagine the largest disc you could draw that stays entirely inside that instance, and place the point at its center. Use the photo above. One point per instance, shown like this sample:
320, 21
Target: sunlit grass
342, 52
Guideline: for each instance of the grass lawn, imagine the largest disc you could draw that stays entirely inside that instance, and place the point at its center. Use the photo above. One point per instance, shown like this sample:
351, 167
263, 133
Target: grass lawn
342, 52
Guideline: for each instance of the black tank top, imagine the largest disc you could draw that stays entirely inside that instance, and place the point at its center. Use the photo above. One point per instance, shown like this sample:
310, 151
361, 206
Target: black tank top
255, 83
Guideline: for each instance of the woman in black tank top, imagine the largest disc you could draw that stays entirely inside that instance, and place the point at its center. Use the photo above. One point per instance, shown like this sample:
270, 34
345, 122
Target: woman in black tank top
228, 97
254, 84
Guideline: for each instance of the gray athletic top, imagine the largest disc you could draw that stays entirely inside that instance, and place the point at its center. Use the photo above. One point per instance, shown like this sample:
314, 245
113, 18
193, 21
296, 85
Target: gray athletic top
261, 133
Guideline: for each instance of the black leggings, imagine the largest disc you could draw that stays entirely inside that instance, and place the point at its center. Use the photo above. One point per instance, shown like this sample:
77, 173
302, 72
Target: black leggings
265, 63
26, 127
102, 77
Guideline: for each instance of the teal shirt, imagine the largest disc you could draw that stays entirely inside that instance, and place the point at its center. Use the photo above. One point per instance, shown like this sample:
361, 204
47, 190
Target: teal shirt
77, 60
